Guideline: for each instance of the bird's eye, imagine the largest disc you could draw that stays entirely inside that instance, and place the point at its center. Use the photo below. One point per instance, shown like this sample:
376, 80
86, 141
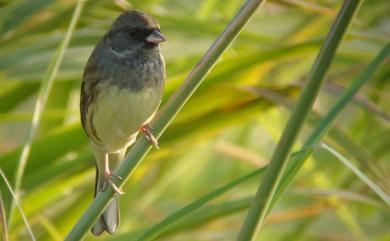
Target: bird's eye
133, 33
138, 34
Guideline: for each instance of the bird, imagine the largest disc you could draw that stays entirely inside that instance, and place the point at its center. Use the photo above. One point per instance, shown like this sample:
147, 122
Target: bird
121, 90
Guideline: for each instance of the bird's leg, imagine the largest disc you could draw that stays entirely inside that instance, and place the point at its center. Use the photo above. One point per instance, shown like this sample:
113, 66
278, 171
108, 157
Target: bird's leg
145, 129
108, 174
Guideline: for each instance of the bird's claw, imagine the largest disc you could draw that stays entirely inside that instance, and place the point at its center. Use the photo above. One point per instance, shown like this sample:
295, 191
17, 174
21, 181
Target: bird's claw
114, 175
145, 129
109, 176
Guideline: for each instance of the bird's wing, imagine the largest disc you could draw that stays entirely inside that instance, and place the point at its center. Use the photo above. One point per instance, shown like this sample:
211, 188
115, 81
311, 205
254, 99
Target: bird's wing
89, 93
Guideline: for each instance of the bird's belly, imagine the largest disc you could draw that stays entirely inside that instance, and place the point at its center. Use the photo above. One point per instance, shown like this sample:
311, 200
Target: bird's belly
120, 113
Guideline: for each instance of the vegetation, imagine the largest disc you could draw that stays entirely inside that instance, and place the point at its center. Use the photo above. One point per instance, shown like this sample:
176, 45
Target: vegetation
200, 184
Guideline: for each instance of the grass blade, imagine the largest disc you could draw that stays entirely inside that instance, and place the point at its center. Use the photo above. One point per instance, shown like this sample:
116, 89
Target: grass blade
365, 159
3, 220
43, 94
165, 224
19, 12
165, 116
7, 183
359, 174
327, 123
278, 163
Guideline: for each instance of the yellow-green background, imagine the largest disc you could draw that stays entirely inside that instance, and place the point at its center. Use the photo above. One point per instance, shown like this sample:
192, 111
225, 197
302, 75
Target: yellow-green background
226, 130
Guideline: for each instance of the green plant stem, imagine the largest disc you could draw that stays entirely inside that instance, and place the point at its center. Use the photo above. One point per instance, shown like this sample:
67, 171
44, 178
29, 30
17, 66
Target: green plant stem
165, 116
17, 204
278, 163
3, 221
155, 230
326, 124
43, 94
359, 174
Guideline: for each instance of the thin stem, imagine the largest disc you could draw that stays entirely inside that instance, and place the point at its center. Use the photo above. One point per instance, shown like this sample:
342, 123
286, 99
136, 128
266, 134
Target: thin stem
165, 116
382, 194
44, 91
278, 163
28, 227
3, 220
155, 230
326, 124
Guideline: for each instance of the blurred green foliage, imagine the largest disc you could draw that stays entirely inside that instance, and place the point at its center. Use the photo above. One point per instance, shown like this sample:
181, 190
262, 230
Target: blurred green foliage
224, 132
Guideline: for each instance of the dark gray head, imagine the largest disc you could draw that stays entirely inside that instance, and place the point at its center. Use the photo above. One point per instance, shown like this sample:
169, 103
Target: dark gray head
134, 30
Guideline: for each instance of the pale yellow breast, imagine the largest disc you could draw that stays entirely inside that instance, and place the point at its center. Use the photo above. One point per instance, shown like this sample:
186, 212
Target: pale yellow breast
119, 113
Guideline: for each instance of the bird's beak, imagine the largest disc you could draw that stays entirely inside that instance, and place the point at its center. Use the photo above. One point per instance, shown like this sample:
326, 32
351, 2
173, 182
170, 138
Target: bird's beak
155, 37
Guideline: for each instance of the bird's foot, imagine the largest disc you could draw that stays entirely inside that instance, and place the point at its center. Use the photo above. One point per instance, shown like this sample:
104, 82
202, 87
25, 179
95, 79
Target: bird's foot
145, 129
109, 176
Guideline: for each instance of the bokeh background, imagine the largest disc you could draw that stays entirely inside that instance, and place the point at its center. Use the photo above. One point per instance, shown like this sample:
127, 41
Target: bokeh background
228, 128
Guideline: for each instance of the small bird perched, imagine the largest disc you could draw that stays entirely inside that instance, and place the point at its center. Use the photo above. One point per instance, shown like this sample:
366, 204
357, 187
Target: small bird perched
121, 90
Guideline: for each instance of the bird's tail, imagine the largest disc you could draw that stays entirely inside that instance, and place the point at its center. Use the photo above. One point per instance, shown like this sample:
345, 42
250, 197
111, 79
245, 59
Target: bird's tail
109, 220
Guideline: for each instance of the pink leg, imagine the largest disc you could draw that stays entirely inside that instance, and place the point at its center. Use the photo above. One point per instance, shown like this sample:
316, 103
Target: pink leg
145, 129
108, 174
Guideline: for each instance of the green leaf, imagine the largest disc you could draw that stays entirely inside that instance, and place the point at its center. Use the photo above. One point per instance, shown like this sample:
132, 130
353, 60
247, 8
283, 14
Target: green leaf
18, 12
